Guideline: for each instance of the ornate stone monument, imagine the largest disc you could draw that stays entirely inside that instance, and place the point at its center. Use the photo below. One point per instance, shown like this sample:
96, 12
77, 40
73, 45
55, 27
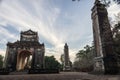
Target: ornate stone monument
105, 59
67, 66
18, 54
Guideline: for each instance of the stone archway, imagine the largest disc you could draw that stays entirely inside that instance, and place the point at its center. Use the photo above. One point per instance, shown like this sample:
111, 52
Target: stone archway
23, 58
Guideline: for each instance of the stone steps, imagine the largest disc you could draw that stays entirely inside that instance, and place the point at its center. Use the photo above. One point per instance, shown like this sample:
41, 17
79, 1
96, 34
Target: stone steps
18, 73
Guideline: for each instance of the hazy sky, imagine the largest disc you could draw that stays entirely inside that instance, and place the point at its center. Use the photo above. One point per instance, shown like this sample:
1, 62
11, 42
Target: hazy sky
56, 21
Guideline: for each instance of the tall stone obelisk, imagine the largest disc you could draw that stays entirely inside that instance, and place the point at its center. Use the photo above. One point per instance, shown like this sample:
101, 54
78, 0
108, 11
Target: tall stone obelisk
66, 58
105, 59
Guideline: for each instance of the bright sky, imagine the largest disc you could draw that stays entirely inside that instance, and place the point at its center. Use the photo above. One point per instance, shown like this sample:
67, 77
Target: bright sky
56, 21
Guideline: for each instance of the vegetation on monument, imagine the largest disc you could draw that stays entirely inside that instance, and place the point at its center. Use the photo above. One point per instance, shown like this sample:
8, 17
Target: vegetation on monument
105, 1
108, 2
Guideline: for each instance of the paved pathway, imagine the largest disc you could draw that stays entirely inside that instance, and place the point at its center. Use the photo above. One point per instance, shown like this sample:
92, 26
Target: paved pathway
60, 76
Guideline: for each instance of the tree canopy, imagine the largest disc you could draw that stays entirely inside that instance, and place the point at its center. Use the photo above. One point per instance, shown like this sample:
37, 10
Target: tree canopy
1, 61
51, 63
106, 2
84, 58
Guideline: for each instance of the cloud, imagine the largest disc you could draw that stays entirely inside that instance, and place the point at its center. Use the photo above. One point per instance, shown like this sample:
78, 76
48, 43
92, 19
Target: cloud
23, 18
57, 52
113, 10
55, 24
2, 52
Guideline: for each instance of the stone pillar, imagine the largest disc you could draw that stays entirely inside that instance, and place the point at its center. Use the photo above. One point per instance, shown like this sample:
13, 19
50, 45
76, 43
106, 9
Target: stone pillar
105, 59
10, 58
27, 63
6, 56
33, 60
43, 57
66, 58
38, 58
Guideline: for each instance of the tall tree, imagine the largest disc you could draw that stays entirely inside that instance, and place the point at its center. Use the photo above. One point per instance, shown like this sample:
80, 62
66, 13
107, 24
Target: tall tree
62, 61
84, 58
116, 36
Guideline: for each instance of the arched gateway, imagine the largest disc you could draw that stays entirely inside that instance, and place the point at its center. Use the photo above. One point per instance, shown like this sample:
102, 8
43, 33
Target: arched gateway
26, 53
23, 59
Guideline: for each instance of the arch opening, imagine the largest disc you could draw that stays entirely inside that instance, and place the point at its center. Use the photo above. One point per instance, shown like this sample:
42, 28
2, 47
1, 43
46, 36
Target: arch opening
23, 60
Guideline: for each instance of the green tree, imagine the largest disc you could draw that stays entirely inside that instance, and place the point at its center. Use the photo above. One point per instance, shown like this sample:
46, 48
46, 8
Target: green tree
62, 61
1, 61
116, 36
51, 63
84, 58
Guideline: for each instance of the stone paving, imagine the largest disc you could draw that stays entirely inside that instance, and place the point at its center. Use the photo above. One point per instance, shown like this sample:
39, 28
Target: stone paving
60, 76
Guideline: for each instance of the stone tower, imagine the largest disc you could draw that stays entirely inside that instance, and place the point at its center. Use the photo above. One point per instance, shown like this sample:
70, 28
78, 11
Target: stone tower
18, 53
66, 58
105, 59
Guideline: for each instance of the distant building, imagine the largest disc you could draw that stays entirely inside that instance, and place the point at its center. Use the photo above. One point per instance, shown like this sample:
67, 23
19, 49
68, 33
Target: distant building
66, 66
18, 54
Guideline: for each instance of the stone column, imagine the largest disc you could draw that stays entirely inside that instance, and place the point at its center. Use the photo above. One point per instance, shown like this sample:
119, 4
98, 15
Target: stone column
66, 58
6, 56
105, 57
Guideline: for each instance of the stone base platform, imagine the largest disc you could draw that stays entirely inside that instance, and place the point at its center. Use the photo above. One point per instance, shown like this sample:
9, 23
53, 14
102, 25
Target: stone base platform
60, 76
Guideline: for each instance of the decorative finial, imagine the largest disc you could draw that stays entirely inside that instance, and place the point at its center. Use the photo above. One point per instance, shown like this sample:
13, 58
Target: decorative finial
66, 44
97, 1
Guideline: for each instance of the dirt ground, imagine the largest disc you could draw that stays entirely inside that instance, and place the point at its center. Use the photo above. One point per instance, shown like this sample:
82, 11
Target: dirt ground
60, 76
